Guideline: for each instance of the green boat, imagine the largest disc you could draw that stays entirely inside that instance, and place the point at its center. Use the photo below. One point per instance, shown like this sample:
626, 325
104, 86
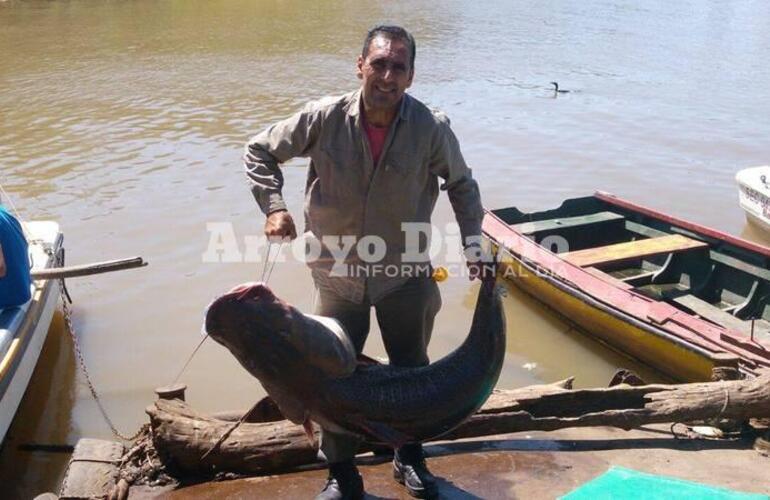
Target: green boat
680, 297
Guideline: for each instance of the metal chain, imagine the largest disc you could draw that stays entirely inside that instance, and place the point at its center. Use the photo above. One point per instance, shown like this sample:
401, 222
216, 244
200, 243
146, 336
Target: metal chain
71, 329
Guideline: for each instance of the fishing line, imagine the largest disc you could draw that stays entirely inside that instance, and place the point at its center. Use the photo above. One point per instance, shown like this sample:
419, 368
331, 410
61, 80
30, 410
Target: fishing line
314, 300
266, 259
15, 211
189, 359
10, 202
272, 264
267, 270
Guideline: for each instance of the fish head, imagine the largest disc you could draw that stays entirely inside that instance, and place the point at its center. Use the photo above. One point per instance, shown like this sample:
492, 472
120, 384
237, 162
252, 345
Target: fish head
290, 353
257, 327
253, 324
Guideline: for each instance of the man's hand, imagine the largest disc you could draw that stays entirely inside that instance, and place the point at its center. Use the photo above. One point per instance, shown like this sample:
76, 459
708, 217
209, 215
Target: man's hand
280, 225
481, 271
480, 266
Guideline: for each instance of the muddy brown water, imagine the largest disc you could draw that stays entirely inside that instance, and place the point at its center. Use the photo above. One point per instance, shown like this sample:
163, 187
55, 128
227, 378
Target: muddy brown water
124, 121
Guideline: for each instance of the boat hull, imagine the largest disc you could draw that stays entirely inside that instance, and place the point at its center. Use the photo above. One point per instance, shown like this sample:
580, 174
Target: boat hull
757, 221
619, 331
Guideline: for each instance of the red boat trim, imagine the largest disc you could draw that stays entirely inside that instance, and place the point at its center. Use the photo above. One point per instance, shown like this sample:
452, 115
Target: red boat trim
696, 228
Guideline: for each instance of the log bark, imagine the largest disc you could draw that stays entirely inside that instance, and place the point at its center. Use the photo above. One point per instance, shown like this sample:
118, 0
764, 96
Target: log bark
182, 436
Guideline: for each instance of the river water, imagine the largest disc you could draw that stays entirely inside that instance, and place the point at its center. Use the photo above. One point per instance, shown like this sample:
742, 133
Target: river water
125, 121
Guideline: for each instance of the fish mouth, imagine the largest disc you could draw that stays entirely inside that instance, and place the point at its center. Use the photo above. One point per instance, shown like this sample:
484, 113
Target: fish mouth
252, 290
246, 295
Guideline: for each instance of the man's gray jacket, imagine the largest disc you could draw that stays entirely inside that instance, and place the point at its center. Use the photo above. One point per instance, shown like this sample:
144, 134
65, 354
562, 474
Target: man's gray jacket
347, 195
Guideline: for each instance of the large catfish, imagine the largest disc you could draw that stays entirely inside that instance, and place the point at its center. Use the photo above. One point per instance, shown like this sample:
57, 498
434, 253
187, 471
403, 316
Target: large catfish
307, 364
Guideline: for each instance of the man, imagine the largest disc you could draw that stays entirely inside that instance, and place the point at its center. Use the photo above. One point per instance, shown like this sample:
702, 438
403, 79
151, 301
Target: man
376, 158
14, 262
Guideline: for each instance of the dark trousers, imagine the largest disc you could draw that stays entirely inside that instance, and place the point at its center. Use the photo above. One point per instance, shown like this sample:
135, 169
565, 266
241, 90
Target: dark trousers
405, 317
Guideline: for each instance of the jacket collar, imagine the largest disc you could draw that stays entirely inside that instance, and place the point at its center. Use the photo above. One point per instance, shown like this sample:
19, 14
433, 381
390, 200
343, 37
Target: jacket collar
353, 106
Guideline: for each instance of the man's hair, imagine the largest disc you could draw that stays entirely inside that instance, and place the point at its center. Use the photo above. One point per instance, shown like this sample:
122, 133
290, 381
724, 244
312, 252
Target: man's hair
391, 32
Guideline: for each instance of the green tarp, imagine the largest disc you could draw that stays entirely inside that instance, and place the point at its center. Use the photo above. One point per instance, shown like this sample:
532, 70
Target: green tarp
621, 483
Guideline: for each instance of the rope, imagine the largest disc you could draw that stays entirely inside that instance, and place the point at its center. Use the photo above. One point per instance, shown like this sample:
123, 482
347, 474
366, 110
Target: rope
229, 431
673, 432
267, 271
724, 406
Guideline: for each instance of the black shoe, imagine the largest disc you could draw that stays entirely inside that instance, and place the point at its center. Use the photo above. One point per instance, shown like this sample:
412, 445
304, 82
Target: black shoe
344, 483
410, 470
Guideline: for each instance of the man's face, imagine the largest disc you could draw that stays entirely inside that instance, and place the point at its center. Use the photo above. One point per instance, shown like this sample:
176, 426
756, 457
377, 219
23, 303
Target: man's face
386, 73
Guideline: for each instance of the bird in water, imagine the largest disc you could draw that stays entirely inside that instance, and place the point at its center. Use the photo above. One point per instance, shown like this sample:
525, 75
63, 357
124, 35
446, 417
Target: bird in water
556, 89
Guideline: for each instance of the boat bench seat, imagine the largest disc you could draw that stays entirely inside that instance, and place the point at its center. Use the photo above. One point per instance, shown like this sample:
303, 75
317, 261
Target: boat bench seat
631, 250
548, 225
726, 260
720, 317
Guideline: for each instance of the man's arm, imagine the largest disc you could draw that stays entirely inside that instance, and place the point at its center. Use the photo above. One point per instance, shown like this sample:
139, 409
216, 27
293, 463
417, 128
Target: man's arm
448, 163
286, 139
2, 263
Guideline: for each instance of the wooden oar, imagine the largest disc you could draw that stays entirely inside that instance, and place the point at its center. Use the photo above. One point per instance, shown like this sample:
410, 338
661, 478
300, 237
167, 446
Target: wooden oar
88, 269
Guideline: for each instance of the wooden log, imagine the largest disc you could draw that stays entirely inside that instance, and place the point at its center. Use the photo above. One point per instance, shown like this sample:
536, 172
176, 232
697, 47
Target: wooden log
182, 436
625, 407
88, 269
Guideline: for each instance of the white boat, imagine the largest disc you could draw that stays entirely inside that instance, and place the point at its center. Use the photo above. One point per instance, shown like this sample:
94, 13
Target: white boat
754, 194
23, 329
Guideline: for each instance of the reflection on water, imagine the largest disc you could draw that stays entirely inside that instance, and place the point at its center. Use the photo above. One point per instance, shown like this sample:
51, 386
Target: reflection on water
756, 233
125, 122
